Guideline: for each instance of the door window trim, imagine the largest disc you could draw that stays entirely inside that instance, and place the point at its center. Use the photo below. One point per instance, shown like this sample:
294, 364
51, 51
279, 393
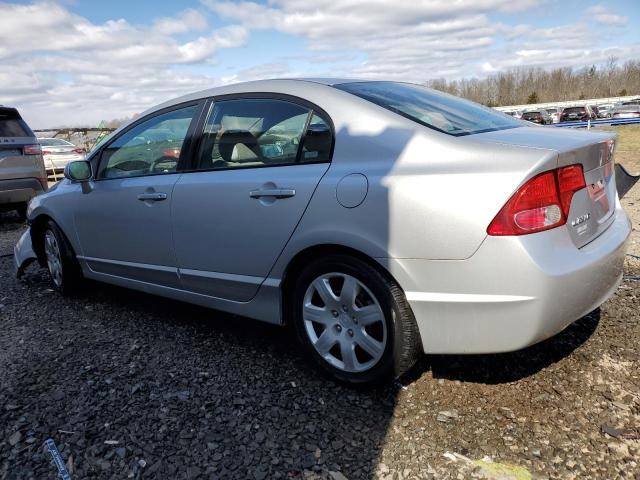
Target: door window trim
301, 102
186, 152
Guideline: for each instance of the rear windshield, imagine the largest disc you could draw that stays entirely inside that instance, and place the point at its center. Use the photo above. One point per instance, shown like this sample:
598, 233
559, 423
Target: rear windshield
50, 142
13, 127
574, 110
531, 114
628, 108
437, 110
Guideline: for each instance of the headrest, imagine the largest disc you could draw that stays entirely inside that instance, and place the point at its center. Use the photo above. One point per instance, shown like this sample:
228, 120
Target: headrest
231, 138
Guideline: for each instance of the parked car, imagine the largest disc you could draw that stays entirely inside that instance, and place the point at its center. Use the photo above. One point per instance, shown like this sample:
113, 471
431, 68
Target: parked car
626, 111
22, 174
57, 153
514, 113
577, 114
538, 116
380, 220
604, 111
554, 113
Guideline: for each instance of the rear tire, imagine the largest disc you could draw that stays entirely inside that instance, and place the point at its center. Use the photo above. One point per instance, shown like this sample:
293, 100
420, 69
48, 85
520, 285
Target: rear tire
63, 266
353, 321
21, 210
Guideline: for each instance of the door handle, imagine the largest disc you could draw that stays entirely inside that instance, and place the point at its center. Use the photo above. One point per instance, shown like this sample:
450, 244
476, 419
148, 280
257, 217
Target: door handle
153, 197
273, 192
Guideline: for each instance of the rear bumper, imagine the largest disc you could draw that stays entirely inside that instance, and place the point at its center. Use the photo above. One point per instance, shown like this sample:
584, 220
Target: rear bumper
514, 291
19, 190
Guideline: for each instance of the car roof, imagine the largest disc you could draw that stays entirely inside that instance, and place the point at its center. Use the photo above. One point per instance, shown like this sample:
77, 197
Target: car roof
293, 86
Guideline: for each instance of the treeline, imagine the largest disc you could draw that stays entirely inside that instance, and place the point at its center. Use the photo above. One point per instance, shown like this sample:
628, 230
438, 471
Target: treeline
536, 85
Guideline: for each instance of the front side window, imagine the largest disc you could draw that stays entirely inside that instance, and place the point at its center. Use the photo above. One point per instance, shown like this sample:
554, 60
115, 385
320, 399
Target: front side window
437, 110
152, 147
247, 133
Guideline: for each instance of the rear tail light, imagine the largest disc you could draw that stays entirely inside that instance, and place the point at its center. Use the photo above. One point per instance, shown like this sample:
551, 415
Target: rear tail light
46, 152
171, 152
44, 182
540, 204
32, 149
79, 151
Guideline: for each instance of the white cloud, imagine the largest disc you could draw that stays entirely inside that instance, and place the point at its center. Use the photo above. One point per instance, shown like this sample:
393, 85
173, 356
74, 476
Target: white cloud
601, 15
61, 68
54, 61
188, 20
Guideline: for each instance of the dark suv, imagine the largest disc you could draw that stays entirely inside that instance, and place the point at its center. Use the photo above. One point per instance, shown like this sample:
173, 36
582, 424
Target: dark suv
577, 114
538, 116
22, 173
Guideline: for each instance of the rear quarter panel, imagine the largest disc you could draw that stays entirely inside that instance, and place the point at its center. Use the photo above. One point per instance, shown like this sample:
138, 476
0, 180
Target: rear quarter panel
430, 195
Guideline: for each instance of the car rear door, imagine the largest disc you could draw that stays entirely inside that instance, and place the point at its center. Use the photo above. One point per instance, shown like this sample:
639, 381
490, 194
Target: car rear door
257, 165
123, 220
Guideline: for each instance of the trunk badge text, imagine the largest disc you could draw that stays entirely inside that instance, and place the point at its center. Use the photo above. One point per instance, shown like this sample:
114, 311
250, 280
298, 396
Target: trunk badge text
580, 220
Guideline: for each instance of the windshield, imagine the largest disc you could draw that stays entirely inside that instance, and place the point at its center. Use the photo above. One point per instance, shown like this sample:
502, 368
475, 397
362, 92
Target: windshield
434, 109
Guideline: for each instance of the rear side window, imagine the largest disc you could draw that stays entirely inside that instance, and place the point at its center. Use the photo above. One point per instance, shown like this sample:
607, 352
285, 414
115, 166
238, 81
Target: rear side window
11, 125
431, 108
250, 133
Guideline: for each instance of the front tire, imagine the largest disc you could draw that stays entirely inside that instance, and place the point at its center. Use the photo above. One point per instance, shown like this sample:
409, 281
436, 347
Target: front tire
64, 270
353, 321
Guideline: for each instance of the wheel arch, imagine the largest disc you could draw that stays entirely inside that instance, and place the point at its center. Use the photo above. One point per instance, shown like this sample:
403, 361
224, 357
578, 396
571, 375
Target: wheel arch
302, 258
38, 227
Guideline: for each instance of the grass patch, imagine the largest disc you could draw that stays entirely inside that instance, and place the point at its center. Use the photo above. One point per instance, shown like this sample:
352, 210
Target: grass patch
628, 149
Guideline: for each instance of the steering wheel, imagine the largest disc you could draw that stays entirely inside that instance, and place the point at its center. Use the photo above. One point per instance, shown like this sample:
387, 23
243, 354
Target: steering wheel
163, 159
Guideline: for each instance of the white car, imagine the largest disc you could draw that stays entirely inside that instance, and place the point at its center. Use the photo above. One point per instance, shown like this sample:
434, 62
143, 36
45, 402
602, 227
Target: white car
57, 153
514, 113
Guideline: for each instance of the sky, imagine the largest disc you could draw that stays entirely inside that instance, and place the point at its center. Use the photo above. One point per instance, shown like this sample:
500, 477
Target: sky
77, 62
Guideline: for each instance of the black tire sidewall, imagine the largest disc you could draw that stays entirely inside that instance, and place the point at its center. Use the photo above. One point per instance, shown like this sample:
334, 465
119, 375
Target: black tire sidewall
70, 268
385, 369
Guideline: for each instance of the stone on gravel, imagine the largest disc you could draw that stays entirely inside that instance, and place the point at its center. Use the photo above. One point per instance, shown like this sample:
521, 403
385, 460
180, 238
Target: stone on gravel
15, 438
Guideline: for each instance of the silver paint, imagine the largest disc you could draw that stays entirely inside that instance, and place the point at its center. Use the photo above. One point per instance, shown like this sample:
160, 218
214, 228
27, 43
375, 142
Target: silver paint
429, 200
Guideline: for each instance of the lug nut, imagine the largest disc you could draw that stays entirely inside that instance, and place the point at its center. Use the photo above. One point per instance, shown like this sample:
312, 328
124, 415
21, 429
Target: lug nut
344, 308
355, 320
350, 332
339, 328
334, 313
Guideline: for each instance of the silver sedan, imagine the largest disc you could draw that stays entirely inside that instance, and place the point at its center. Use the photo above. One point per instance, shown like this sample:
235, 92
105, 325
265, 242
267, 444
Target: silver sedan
380, 220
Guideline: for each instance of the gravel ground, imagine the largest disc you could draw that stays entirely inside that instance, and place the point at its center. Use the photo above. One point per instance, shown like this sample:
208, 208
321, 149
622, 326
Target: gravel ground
134, 386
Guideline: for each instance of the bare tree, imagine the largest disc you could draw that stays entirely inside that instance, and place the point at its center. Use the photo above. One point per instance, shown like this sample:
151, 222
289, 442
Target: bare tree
522, 85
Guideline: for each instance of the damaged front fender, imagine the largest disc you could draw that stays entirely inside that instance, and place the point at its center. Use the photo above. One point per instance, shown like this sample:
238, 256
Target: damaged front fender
23, 253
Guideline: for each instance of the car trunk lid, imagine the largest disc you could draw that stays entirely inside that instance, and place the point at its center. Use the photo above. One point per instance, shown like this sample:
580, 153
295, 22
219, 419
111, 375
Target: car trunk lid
592, 209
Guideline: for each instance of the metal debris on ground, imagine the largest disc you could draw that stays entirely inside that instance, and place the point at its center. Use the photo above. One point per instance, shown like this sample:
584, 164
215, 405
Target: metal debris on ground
56, 459
622, 434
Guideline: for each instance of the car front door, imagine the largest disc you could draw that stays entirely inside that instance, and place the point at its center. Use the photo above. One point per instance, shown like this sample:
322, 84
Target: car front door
258, 163
123, 220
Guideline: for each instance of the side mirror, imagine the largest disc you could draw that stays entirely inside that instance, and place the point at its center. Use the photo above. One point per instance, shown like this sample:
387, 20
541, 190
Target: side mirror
78, 171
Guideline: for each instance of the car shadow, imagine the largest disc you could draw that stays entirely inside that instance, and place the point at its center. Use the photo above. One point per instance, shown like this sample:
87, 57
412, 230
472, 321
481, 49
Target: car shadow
513, 366
204, 392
